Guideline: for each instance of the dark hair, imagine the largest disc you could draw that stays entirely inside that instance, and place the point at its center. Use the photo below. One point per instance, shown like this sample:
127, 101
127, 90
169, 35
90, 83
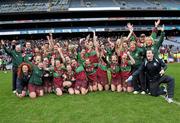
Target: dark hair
149, 49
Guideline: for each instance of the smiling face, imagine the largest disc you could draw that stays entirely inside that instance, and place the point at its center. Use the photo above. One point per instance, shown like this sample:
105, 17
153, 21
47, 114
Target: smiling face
125, 46
69, 69
114, 59
24, 68
40, 65
28, 45
73, 63
55, 47
149, 41
18, 48
57, 63
132, 46
90, 44
68, 60
102, 47
46, 45
149, 55
36, 50
38, 59
142, 39
46, 61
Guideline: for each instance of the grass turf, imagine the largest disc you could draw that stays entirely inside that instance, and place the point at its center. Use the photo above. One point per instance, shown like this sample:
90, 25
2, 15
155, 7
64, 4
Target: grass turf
99, 107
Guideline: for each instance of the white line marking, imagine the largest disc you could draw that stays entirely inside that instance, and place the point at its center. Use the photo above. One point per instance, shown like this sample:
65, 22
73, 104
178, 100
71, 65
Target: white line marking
174, 101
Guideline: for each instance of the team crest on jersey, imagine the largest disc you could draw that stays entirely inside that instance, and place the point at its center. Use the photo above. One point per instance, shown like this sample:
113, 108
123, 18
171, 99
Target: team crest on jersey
155, 64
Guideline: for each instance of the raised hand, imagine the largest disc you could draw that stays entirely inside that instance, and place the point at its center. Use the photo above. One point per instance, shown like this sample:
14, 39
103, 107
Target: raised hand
50, 34
109, 39
162, 28
130, 26
2, 42
88, 36
60, 49
157, 23
92, 30
128, 53
82, 39
47, 37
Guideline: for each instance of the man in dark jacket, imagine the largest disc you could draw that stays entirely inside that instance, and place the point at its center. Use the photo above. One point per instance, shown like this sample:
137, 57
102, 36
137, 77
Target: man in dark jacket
155, 69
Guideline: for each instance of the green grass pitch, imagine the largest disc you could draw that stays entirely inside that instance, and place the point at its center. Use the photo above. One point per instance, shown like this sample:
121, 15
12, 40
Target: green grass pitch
99, 107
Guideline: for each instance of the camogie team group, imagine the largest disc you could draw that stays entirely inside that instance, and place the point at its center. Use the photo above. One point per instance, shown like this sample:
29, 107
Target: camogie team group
89, 66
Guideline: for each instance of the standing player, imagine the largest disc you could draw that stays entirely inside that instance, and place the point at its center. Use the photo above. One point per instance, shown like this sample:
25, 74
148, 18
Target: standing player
17, 59
138, 55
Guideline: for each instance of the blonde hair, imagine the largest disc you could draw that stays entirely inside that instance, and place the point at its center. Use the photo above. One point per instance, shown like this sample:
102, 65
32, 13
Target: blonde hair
149, 38
119, 43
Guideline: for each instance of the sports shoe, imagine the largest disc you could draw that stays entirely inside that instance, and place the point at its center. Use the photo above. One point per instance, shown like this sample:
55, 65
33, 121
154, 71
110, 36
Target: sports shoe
14, 92
143, 92
169, 100
135, 92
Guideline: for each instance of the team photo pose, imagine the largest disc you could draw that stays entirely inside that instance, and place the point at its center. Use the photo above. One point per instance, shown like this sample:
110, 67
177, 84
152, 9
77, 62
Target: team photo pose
121, 64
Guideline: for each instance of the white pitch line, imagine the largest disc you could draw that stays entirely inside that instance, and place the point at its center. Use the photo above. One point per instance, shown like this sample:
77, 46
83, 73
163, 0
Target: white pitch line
174, 101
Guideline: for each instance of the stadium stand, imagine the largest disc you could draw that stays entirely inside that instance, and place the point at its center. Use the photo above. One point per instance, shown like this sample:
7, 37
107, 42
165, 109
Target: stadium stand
61, 5
33, 6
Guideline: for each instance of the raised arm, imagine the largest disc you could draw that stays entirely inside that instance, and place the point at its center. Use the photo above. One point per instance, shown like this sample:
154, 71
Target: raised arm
130, 28
50, 40
155, 30
109, 41
159, 43
132, 36
86, 40
9, 52
61, 54
95, 39
131, 58
79, 48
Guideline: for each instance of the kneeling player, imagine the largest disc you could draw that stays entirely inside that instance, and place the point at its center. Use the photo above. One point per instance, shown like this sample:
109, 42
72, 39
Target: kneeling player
24, 74
69, 80
58, 77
